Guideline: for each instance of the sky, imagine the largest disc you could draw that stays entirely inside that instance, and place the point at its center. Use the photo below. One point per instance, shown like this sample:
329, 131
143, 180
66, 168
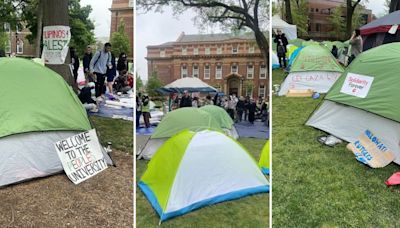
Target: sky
153, 28
101, 16
377, 7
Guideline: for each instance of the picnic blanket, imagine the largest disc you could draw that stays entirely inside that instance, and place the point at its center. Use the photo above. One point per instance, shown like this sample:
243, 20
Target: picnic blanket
114, 112
257, 130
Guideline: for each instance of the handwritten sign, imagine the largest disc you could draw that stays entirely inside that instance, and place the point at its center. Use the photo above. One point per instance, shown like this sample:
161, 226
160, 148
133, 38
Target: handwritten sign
370, 150
357, 85
55, 44
81, 156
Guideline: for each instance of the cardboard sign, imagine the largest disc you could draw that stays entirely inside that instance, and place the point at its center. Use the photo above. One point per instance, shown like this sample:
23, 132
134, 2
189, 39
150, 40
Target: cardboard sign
357, 85
370, 150
81, 156
55, 44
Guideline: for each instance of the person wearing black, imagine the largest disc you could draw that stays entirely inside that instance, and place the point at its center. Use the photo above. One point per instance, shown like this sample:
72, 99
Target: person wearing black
85, 96
252, 111
111, 74
122, 63
240, 108
335, 51
281, 43
86, 64
186, 100
74, 62
246, 108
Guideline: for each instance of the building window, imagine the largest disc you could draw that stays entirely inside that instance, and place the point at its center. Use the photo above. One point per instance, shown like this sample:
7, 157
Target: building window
195, 71
207, 51
130, 3
8, 47
318, 27
234, 69
251, 49
207, 72
261, 91
7, 27
19, 28
249, 92
219, 50
234, 49
195, 51
263, 71
250, 71
162, 53
184, 71
218, 72
184, 51
20, 47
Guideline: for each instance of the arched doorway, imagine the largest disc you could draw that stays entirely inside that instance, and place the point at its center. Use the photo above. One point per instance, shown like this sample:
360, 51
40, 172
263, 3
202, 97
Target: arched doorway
233, 84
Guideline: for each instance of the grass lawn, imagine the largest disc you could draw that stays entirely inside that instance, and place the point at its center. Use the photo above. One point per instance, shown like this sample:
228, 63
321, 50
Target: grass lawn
252, 211
319, 186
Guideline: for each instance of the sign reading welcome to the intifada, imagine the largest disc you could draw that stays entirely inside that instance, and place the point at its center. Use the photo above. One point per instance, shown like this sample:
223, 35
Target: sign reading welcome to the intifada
81, 156
55, 44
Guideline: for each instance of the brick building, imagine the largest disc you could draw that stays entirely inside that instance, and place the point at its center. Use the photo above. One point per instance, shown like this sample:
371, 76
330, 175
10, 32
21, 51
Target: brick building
319, 26
123, 9
232, 64
18, 44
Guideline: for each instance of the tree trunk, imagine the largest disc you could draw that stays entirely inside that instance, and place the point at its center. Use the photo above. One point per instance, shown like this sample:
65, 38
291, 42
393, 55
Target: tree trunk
349, 16
38, 40
289, 18
55, 12
394, 5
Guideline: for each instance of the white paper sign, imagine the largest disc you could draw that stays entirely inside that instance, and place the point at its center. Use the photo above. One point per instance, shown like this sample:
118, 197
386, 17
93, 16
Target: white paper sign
357, 85
55, 44
393, 29
81, 156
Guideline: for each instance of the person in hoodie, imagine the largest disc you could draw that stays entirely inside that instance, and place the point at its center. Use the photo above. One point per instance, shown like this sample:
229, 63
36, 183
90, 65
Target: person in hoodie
87, 57
281, 43
74, 62
122, 64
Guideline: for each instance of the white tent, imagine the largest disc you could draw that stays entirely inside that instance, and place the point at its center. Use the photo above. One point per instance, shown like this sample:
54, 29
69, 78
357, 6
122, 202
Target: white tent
289, 30
192, 84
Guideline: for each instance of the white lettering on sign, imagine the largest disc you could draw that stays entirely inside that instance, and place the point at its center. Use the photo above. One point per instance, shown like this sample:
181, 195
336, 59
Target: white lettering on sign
55, 44
81, 156
357, 85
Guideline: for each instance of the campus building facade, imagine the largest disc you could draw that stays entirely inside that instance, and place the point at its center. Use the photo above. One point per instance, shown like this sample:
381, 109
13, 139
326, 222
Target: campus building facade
232, 64
123, 10
18, 44
319, 26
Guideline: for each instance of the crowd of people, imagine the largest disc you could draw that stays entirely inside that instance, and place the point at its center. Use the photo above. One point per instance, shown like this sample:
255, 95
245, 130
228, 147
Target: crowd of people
239, 109
102, 73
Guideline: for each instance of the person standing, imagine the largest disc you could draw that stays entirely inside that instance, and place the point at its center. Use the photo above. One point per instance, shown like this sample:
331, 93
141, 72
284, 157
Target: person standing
208, 100
186, 100
146, 110
87, 57
74, 62
122, 64
246, 108
98, 67
252, 110
138, 109
240, 107
356, 45
111, 74
281, 43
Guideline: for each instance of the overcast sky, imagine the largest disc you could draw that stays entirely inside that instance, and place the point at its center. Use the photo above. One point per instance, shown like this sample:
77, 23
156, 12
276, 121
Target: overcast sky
101, 16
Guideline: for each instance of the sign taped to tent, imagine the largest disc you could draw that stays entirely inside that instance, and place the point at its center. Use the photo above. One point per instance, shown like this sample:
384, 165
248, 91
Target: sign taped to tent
55, 44
357, 85
370, 150
81, 156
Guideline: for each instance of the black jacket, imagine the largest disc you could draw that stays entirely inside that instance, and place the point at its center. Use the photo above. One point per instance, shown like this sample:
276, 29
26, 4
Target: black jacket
86, 61
86, 96
122, 64
186, 102
284, 40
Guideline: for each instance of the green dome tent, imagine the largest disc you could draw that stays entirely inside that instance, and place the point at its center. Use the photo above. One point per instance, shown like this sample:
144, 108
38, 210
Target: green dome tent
192, 170
297, 42
193, 119
365, 97
314, 68
264, 159
39, 109
223, 119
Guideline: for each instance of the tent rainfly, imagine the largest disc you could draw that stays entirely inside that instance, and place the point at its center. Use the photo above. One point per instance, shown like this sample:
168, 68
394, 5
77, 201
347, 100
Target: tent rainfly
289, 30
43, 111
192, 170
315, 68
264, 159
191, 84
365, 97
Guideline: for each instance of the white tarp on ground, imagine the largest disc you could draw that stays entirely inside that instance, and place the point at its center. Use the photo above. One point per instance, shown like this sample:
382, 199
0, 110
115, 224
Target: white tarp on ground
348, 123
319, 81
30, 155
289, 30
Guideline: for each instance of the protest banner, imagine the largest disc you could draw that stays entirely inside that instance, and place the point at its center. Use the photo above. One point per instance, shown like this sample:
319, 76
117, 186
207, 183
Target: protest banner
357, 85
81, 156
370, 150
55, 44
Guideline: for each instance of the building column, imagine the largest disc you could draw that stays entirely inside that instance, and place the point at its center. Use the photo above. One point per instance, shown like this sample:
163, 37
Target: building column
240, 87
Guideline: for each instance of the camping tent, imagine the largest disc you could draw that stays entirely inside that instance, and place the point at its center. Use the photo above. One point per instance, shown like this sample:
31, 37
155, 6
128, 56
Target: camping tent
289, 30
313, 68
191, 84
193, 170
274, 60
365, 97
223, 119
297, 42
264, 159
38, 109
193, 119
381, 31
